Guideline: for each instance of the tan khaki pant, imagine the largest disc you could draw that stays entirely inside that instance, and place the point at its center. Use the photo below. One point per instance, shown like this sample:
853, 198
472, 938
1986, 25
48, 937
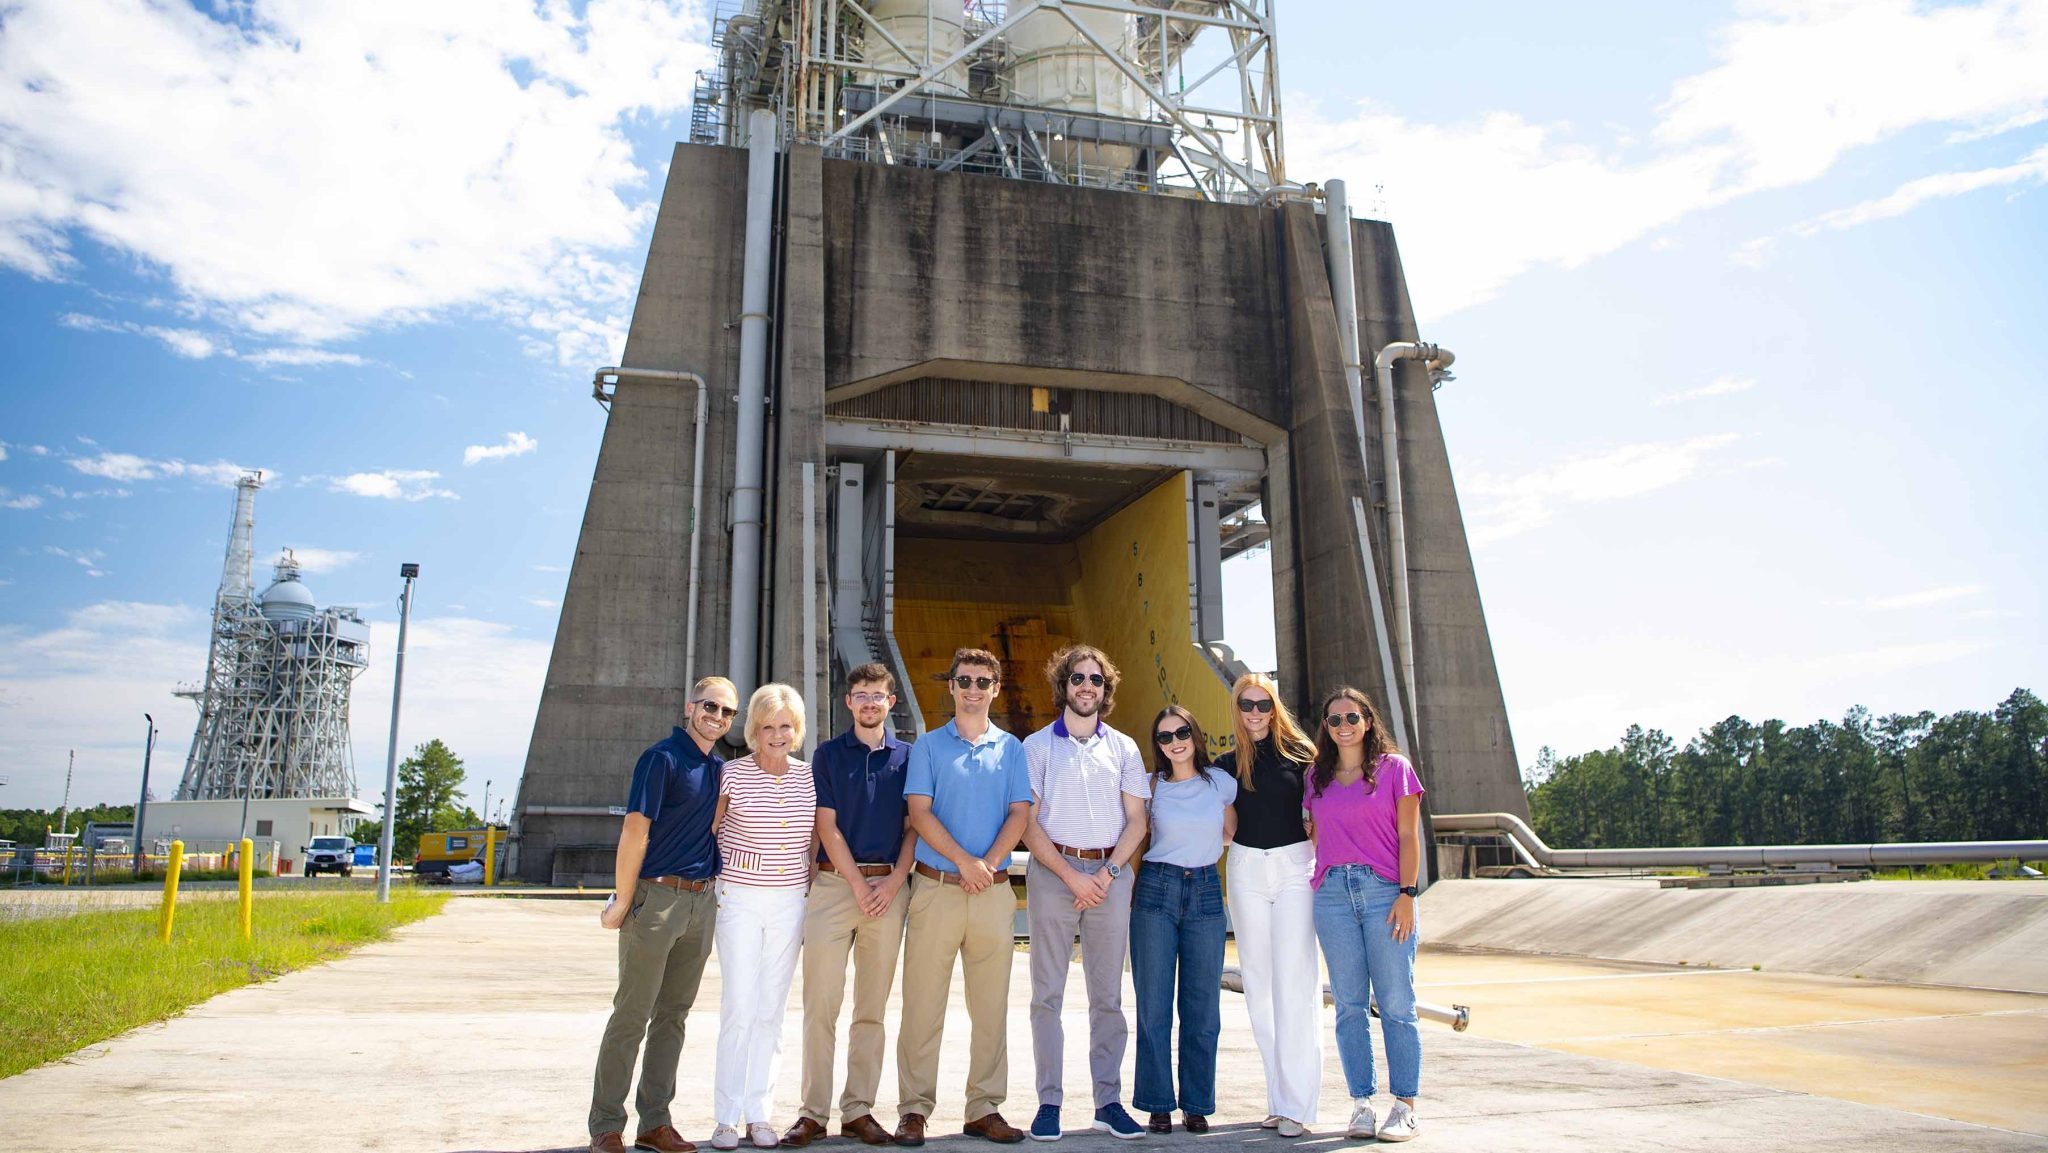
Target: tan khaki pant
980, 930
833, 927
662, 949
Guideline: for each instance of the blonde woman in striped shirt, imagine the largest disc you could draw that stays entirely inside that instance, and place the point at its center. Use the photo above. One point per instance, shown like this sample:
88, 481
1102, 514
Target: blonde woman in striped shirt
767, 827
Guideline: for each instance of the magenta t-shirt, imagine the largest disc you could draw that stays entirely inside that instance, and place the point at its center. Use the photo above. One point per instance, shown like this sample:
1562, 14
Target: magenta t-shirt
1354, 827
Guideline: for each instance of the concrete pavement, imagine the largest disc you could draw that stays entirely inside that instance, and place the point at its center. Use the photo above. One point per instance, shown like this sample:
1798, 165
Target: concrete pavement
475, 1030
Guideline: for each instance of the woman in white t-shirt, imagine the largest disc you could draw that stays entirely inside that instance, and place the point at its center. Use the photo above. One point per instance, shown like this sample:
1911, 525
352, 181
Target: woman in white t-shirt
1177, 924
766, 826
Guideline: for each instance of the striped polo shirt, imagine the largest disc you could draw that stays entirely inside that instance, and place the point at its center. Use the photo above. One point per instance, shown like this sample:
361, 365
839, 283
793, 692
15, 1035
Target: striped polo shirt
1081, 784
766, 837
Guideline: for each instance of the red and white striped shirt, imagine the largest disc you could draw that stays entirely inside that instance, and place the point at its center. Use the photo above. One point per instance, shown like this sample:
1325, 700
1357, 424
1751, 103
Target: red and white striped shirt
766, 837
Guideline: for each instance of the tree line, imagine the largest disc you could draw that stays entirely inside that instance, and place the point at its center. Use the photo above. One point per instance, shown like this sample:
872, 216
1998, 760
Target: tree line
1966, 776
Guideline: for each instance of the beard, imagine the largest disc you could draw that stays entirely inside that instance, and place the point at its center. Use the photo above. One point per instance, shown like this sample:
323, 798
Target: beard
1085, 708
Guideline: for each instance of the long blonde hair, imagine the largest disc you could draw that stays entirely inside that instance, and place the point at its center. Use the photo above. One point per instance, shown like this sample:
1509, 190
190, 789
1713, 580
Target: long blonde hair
1288, 739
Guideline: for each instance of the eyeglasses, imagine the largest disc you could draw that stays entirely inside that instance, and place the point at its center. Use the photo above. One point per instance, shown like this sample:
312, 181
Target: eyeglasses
869, 698
966, 682
1345, 719
1085, 679
1248, 705
1170, 736
722, 712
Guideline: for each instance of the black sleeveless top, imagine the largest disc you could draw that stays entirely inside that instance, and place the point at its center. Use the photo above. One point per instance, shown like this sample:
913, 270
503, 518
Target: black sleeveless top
1268, 813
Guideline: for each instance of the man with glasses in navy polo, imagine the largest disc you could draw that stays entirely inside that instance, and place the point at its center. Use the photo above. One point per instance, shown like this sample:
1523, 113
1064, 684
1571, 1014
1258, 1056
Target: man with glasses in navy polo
1088, 791
665, 911
857, 905
969, 796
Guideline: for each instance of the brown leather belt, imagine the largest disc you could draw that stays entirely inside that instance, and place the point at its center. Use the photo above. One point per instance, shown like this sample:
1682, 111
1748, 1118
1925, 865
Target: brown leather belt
683, 883
945, 878
864, 870
1084, 854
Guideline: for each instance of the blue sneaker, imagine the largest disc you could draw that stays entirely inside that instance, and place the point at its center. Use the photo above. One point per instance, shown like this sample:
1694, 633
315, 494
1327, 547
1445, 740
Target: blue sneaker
1112, 1119
1046, 1126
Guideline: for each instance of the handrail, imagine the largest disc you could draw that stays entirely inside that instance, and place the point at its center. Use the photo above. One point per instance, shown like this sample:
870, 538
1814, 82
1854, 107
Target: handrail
1531, 849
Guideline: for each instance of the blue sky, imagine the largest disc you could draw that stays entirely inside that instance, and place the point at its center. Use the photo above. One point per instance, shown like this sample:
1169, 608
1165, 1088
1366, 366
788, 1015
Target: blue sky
1745, 301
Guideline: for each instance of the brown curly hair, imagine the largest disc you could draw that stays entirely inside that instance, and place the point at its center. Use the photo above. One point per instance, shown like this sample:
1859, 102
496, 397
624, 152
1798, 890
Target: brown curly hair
1377, 741
1063, 662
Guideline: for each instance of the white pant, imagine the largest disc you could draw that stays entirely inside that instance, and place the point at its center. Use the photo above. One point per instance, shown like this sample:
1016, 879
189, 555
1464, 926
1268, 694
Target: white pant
760, 932
1272, 913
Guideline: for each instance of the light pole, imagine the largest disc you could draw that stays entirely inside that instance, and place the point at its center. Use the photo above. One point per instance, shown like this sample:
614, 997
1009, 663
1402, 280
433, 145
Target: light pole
142, 801
409, 572
487, 803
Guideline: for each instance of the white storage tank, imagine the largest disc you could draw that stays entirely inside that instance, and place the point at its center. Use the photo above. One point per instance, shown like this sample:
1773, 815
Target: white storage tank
1058, 69
930, 30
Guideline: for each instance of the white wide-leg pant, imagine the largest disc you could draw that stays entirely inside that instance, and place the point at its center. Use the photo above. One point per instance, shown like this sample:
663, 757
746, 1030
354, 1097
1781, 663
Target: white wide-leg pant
1272, 914
760, 934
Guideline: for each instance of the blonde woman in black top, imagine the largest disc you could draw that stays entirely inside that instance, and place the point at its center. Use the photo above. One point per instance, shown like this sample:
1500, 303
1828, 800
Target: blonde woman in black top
1272, 910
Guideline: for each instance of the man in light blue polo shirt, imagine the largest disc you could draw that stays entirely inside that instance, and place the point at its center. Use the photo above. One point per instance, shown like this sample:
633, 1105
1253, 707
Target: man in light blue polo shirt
969, 794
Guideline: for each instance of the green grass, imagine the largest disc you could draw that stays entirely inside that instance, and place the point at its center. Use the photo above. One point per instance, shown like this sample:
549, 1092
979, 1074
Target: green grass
72, 981
1944, 872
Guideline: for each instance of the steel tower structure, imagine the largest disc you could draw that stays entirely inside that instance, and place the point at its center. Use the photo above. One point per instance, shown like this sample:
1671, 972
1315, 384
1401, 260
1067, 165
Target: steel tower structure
273, 709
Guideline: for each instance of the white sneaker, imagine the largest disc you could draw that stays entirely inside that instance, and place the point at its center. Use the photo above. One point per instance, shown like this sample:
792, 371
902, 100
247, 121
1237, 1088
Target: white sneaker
1272, 1121
762, 1135
725, 1137
1289, 1127
1401, 1123
1364, 1123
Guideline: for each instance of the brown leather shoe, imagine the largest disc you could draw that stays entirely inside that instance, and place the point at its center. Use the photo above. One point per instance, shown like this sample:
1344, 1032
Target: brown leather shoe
608, 1143
664, 1139
1194, 1122
803, 1133
910, 1129
1160, 1123
992, 1127
866, 1128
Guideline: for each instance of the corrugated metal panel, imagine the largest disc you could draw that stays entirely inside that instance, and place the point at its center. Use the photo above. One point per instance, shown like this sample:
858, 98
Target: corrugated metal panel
975, 403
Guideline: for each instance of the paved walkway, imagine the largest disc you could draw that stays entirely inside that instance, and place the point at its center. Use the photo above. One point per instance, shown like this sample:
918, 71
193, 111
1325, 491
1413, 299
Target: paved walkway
475, 1030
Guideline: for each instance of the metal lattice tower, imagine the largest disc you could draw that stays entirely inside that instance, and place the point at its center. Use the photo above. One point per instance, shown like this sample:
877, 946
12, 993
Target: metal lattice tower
273, 709
1176, 97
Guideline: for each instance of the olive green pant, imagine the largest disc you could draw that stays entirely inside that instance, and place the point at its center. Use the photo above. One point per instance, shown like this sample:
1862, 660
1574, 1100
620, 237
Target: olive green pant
662, 949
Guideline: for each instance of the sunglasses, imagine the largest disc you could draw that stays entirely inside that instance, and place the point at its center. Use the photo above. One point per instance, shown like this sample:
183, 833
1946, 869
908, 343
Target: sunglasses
1171, 736
722, 712
1345, 719
1248, 705
1085, 679
966, 682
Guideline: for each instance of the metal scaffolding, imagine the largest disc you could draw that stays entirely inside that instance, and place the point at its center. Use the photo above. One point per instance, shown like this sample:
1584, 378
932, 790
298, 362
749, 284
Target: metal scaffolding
273, 708
1178, 97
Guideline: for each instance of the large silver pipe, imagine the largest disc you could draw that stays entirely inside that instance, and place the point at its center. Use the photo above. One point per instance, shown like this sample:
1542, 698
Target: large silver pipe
1533, 851
1344, 293
750, 449
1458, 1017
696, 495
1437, 359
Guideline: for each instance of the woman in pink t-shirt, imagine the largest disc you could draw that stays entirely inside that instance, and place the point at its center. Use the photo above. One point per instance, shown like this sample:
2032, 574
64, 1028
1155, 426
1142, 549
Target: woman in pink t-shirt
1364, 806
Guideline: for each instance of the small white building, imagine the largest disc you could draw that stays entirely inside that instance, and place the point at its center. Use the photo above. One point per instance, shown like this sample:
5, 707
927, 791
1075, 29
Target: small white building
210, 826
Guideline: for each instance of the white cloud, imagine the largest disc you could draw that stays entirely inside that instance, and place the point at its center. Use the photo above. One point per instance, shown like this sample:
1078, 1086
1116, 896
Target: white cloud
186, 342
291, 167
1920, 599
543, 603
322, 560
1723, 386
516, 444
123, 466
1506, 506
1914, 193
24, 501
391, 484
301, 358
551, 568
1795, 85
88, 559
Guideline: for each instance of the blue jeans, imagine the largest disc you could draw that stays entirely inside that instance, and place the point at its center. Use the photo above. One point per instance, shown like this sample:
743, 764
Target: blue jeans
1366, 963
1177, 922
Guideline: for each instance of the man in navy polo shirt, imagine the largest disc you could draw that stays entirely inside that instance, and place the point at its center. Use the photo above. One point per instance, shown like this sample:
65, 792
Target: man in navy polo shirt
665, 910
856, 905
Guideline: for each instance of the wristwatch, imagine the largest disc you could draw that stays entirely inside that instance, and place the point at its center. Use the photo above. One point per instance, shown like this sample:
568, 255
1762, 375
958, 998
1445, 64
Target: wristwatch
1410, 891
1114, 870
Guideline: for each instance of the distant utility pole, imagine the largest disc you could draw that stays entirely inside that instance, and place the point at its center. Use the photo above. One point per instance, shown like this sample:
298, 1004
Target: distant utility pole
408, 572
142, 802
64, 815
487, 802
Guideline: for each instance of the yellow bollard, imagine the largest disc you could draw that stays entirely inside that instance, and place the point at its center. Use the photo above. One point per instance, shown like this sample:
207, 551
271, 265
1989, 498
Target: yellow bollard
67, 863
170, 909
247, 859
490, 855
